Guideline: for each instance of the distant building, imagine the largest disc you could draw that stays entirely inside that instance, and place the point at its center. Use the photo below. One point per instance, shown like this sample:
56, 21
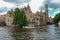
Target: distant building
9, 18
50, 20
39, 18
28, 12
2, 20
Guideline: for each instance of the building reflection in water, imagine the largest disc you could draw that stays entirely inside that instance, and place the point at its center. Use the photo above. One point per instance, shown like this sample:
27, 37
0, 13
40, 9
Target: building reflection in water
34, 33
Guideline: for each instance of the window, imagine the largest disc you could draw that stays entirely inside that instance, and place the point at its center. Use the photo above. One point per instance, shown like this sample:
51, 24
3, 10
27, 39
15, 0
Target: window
26, 9
37, 19
8, 20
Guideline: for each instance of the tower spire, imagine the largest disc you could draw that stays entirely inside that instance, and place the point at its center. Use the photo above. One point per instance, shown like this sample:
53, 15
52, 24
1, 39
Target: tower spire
28, 6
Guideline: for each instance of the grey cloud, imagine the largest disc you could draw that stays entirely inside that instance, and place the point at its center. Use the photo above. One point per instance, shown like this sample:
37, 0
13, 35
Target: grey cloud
54, 5
50, 4
17, 2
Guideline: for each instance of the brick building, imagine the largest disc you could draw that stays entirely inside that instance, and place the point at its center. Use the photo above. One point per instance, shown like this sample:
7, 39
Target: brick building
38, 18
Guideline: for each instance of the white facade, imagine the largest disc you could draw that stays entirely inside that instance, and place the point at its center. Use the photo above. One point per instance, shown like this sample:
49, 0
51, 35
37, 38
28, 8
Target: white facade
9, 19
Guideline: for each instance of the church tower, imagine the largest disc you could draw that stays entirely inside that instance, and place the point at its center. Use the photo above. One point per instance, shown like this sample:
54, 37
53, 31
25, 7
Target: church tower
28, 6
28, 12
29, 9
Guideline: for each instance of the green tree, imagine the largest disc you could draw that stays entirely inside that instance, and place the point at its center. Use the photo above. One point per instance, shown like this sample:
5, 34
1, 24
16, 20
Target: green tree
19, 18
57, 18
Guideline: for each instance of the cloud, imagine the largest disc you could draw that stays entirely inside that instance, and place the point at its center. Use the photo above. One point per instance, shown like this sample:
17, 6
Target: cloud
3, 13
6, 4
3, 9
34, 4
55, 1
53, 4
17, 2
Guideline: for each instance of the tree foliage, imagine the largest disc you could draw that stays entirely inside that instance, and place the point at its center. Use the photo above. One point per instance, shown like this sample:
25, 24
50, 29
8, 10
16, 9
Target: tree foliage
19, 18
57, 18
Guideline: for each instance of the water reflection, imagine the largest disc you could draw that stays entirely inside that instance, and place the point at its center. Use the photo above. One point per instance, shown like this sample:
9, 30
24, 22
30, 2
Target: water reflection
20, 34
38, 33
29, 34
51, 32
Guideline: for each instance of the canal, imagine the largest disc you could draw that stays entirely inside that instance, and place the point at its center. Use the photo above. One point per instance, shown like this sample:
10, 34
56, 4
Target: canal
51, 33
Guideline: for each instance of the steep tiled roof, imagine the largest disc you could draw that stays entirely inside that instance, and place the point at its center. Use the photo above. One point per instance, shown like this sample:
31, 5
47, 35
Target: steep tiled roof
38, 13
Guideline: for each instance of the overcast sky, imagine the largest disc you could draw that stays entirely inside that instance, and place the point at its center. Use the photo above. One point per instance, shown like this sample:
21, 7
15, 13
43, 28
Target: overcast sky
36, 5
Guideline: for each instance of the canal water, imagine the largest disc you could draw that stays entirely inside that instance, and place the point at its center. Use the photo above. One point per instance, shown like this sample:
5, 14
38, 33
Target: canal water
52, 32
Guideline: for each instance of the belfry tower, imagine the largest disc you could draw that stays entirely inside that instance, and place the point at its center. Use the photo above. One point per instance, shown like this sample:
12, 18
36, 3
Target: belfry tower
46, 12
